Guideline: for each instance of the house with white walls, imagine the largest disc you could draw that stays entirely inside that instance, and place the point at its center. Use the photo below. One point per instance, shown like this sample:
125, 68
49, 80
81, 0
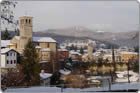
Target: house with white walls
8, 58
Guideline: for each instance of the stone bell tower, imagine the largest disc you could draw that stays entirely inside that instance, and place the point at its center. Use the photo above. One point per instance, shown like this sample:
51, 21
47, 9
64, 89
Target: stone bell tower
25, 31
90, 49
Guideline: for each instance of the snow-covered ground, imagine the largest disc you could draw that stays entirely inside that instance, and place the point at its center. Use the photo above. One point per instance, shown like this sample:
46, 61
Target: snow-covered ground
55, 89
122, 76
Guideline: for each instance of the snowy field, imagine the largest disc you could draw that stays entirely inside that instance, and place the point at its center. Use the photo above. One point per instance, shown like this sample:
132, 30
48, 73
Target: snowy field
55, 89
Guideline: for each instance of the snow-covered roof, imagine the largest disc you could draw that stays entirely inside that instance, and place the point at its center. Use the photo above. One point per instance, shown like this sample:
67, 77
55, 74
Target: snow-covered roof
100, 31
125, 52
45, 49
5, 43
65, 72
40, 39
85, 50
17, 37
110, 55
62, 47
37, 47
43, 39
96, 53
74, 53
121, 76
45, 75
62, 50
5, 50
43, 62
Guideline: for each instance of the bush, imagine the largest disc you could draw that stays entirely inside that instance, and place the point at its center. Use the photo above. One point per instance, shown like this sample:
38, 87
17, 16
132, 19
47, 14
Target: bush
13, 78
55, 79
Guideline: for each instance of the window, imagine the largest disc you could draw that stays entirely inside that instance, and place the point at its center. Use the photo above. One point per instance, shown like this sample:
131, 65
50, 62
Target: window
14, 61
7, 54
10, 54
16, 45
48, 45
7, 61
29, 21
26, 20
11, 62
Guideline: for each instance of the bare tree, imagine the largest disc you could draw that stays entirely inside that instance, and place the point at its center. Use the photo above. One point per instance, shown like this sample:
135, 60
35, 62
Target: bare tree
7, 13
114, 64
13, 78
128, 68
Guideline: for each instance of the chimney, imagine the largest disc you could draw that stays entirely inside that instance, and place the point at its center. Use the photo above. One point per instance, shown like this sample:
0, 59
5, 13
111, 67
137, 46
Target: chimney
42, 72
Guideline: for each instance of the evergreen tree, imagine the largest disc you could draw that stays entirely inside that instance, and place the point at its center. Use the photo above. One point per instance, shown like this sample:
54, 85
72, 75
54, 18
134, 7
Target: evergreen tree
55, 79
75, 48
136, 67
136, 49
100, 62
6, 35
30, 65
72, 47
113, 59
81, 50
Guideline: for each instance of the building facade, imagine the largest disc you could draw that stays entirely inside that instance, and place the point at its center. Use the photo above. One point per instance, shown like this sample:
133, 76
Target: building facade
8, 58
125, 56
45, 46
108, 57
62, 54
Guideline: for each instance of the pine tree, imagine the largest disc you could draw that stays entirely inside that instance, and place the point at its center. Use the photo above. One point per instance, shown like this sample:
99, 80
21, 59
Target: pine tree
72, 47
136, 49
75, 48
100, 62
81, 50
30, 65
113, 60
6, 35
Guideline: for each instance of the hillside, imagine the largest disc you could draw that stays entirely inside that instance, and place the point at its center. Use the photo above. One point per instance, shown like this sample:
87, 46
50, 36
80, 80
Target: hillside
129, 39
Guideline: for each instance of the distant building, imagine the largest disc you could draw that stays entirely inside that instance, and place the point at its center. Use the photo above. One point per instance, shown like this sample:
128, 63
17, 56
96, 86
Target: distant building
75, 56
8, 58
7, 44
109, 58
90, 49
121, 49
77, 43
62, 54
125, 56
45, 54
45, 78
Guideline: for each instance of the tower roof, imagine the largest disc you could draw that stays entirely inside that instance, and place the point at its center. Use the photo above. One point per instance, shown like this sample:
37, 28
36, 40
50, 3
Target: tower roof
23, 17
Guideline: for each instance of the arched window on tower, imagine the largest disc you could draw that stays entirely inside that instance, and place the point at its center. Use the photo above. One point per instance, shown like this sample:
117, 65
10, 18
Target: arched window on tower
29, 21
26, 21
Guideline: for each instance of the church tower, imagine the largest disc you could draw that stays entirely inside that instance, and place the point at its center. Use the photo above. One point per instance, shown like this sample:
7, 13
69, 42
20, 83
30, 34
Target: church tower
90, 49
25, 31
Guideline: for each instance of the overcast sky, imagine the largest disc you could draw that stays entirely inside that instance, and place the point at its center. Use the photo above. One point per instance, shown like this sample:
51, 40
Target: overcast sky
99, 15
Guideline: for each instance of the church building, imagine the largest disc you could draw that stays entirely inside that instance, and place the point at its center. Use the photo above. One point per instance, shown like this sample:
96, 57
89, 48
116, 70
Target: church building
45, 46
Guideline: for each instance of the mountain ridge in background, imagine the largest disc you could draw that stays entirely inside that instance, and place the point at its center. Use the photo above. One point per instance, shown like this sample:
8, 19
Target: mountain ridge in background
129, 38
